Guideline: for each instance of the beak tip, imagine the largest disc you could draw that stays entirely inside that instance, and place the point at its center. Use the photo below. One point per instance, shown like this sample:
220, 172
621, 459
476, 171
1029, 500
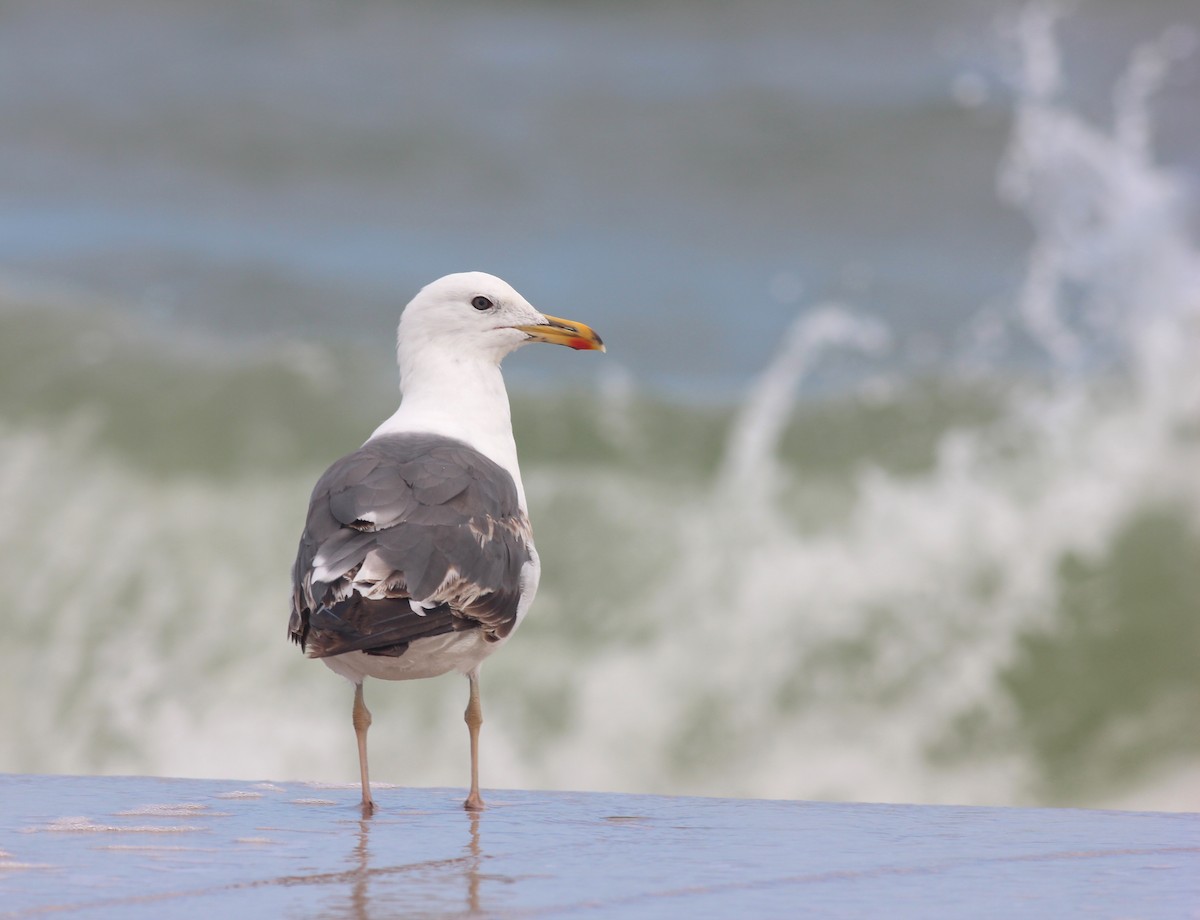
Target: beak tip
564, 332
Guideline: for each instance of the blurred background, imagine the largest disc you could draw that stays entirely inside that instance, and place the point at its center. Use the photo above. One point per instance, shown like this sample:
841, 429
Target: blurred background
886, 489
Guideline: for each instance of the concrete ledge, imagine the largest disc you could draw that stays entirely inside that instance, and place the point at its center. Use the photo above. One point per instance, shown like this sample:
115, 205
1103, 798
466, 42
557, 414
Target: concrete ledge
141, 847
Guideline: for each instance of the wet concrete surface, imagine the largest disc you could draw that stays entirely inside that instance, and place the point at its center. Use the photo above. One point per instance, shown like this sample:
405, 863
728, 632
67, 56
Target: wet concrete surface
142, 847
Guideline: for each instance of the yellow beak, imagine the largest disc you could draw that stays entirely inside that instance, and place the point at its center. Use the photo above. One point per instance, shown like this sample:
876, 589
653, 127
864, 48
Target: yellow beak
564, 332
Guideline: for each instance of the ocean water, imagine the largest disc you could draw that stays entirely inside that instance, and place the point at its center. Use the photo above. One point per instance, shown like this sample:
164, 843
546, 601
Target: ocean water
886, 489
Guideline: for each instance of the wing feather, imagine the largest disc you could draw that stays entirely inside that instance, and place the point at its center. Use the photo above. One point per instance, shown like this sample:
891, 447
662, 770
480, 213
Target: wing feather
408, 517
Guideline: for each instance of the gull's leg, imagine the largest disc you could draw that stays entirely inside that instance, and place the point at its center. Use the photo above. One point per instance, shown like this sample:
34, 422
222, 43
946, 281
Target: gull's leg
362, 721
474, 718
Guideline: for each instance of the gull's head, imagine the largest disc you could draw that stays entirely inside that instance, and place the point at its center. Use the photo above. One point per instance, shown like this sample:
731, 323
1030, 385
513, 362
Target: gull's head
477, 316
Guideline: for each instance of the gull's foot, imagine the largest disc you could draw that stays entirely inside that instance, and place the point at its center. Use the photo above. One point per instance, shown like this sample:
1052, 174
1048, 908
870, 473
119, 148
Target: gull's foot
368, 807
474, 802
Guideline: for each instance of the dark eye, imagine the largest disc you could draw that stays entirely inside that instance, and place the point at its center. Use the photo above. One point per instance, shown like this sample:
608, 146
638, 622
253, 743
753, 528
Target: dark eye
482, 303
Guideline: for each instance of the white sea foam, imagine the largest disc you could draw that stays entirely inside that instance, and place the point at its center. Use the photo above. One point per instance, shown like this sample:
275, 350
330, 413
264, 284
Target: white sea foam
84, 825
181, 810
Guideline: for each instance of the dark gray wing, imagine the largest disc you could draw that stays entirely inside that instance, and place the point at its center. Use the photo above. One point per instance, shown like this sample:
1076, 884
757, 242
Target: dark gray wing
408, 517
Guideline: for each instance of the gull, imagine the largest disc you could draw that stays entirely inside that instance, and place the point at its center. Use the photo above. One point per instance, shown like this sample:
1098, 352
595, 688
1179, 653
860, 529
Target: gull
417, 555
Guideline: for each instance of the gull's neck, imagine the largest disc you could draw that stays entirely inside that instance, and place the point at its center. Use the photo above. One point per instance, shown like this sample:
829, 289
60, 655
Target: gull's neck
458, 396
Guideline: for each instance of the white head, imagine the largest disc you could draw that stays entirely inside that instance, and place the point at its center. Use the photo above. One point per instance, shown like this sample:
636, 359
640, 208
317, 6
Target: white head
477, 317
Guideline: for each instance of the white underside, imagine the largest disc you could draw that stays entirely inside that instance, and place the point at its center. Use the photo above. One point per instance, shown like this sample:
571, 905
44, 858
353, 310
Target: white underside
436, 655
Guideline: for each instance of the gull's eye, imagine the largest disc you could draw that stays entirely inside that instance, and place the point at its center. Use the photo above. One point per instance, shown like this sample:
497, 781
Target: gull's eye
482, 303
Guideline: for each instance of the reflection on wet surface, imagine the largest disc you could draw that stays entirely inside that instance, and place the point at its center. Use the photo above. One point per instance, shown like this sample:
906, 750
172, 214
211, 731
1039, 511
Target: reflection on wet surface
376, 887
104, 846
366, 901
